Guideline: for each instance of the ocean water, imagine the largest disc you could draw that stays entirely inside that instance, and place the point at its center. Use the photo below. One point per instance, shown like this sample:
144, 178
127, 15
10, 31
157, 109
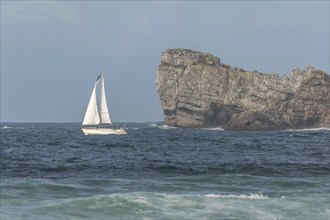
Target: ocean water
53, 171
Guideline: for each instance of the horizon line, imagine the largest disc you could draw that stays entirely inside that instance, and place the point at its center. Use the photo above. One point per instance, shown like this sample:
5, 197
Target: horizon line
78, 122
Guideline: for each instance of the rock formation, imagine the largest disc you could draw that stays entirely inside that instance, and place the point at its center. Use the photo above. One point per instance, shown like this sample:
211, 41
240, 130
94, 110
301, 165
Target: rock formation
197, 90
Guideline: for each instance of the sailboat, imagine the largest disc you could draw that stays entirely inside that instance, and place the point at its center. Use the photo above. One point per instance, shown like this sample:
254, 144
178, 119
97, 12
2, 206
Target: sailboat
95, 123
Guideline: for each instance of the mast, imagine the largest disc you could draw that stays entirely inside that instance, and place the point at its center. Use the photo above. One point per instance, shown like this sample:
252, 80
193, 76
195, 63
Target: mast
104, 113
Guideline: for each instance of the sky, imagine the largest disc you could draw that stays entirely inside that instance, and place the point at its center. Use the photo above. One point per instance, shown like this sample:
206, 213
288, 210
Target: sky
53, 51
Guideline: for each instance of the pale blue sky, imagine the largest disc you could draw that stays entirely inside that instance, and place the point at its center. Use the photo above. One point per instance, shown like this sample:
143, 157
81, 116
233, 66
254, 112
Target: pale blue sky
52, 51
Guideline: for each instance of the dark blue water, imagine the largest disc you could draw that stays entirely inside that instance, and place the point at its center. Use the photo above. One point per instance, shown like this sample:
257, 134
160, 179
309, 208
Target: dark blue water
51, 170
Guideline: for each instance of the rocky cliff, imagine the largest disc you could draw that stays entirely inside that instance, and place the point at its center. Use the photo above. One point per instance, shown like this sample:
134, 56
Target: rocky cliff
197, 90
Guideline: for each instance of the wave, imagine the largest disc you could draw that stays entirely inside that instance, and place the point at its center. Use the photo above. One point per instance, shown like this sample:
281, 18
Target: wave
99, 199
8, 127
153, 125
213, 129
311, 129
250, 196
170, 127
160, 126
166, 127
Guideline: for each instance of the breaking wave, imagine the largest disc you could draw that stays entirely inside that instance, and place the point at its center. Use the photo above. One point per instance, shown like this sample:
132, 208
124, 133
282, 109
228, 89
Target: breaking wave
166, 127
8, 127
311, 129
213, 129
250, 196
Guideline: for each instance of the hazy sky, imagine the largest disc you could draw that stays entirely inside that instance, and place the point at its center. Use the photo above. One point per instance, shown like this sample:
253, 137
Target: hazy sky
52, 51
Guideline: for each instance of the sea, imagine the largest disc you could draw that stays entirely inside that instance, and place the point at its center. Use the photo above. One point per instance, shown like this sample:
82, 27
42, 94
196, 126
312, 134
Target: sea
53, 171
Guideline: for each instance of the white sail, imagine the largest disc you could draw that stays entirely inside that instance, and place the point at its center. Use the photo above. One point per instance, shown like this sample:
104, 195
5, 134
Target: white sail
105, 118
92, 114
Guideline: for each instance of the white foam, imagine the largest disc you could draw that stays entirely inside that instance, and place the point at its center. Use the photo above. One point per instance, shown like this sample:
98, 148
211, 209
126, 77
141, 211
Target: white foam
311, 129
8, 127
213, 129
153, 125
165, 127
250, 196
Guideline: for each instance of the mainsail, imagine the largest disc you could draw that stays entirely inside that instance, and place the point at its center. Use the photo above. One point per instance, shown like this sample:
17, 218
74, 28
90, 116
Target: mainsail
105, 118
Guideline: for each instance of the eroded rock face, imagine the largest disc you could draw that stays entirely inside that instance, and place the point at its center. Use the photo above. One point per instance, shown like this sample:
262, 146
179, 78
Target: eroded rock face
197, 90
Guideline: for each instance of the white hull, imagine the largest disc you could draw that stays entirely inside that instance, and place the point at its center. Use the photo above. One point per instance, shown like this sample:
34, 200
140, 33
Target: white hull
103, 131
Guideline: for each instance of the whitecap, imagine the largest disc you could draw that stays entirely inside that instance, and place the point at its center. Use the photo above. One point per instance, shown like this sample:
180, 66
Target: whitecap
250, 196
166, 127
311, 129
213, 129
8, 127
153, 125
5, 127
